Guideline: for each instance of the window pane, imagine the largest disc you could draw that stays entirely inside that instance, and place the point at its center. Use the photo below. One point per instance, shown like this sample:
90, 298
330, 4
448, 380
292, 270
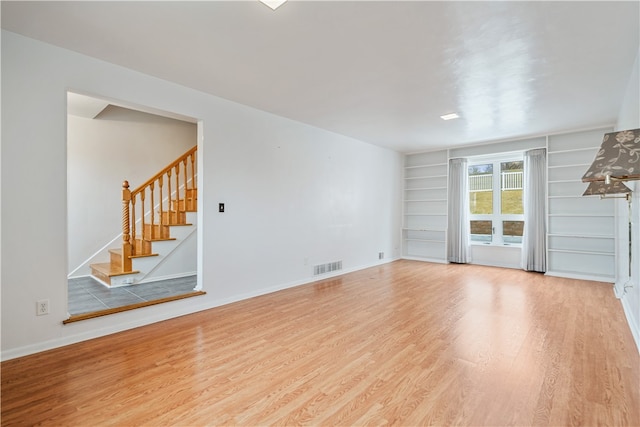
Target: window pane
511, 187
481, 189
512, 231
481, 231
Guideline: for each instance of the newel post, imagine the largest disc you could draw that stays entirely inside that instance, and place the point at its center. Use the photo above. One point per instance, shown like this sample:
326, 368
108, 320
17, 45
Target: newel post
126, 235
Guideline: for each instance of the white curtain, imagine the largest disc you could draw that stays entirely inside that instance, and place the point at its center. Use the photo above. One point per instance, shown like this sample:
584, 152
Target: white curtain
534, 241
458, 215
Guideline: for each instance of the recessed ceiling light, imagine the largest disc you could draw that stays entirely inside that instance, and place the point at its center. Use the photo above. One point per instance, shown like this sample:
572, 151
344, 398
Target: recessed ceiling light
449, 116
273, 4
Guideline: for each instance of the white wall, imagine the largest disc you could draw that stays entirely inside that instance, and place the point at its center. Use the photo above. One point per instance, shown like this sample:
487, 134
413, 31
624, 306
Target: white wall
292, 192
102, 152
629, 118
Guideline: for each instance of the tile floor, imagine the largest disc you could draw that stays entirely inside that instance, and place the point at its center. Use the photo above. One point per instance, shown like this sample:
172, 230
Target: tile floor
86, 295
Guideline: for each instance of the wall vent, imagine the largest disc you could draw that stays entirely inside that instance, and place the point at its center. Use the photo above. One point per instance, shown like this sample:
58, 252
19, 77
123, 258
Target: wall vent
327, 268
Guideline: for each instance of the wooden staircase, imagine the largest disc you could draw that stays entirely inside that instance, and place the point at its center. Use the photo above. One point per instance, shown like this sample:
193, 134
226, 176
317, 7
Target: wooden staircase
157, 209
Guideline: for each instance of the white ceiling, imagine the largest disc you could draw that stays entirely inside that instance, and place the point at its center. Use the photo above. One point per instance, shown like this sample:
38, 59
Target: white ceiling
382, 71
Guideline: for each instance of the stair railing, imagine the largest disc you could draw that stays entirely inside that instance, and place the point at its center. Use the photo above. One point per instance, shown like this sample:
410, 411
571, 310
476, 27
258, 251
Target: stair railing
134, 204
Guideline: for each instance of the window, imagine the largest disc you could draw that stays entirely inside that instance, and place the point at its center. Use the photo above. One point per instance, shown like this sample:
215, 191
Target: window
495, 200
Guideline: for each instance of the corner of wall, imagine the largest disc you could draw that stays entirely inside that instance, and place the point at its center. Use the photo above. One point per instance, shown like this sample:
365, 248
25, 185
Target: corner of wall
632, 321
629, 118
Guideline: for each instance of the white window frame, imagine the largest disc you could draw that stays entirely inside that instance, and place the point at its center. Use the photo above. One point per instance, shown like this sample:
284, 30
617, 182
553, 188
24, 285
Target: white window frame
496, 217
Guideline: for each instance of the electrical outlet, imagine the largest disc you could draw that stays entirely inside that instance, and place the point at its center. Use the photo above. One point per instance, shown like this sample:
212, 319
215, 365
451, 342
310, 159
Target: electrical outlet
42, 307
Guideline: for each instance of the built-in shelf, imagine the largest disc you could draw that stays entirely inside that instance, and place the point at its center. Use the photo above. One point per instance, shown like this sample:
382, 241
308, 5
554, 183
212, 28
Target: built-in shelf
582, 236
426, 177
424, 228
575, 150
575, 249
565, 180
585, 165
425, 188
441, 230
426, 200
425, 166
581, 215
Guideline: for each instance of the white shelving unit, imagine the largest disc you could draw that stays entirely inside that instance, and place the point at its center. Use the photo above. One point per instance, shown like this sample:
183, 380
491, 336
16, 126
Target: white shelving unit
425, 206
580, 230
581, 240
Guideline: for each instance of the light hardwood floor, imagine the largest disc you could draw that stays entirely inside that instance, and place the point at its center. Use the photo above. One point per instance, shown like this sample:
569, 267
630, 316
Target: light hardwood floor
406, 343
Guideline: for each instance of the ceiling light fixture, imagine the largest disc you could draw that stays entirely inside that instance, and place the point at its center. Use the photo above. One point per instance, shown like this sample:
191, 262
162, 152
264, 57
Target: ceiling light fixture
450, 116
273, 4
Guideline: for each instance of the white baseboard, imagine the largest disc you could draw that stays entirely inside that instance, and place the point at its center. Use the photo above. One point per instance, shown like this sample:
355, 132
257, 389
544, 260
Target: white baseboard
87, 329
579, 276
632, 321
444, 261
281, 287
436, 260
153, 314
618, 289
497, 264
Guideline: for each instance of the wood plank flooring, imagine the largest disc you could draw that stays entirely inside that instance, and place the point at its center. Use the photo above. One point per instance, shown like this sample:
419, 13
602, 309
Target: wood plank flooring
406, 343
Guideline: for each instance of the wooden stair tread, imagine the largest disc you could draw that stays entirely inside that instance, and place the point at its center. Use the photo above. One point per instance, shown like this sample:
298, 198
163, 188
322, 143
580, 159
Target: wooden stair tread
119, 252
142, 256
106, 269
